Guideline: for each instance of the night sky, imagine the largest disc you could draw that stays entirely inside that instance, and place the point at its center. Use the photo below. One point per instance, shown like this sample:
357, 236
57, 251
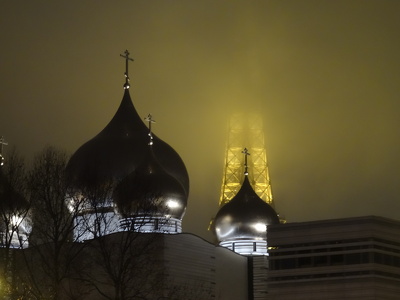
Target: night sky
325, 76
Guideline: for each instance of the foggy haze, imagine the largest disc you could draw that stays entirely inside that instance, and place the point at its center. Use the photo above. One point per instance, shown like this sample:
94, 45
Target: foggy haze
323, 74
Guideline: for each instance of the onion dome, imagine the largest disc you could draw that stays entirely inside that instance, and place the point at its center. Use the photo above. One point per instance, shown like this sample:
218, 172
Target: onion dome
118, 150
150, 191
246, 216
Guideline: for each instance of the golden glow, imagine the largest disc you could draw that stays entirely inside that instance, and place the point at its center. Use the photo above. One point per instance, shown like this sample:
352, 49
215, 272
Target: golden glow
245, 131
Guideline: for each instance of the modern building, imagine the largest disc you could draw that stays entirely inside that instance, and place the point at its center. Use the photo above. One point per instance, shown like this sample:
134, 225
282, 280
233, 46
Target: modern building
353, 258
128, 265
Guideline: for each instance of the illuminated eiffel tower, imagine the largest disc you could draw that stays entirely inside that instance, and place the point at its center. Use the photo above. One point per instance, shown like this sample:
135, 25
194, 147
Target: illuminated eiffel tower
246, 131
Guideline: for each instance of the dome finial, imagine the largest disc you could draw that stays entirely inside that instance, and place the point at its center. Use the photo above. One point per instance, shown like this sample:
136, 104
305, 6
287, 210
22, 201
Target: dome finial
150, 120
127, 59
2, 143
246, 153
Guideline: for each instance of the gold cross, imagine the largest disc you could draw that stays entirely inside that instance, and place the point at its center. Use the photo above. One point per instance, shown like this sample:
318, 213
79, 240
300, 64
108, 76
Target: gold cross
127, 59
246, 153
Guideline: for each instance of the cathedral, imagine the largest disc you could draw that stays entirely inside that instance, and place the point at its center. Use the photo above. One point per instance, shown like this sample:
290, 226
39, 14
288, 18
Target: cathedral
126, 195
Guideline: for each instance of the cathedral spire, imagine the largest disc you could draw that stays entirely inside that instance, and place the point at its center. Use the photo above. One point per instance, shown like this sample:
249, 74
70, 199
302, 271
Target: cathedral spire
2, 143
127, 59
246, 153
150, 120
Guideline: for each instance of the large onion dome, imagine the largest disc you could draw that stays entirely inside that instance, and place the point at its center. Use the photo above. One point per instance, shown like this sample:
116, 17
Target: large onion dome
117, 151
244, 218
149, 193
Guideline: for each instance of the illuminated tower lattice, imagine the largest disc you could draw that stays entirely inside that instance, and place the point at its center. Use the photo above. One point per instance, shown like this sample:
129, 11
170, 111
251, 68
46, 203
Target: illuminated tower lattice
246, 131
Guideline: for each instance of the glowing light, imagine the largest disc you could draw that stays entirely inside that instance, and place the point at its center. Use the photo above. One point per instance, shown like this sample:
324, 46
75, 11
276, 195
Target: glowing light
260, 227
173, 204
16, 220
247, 247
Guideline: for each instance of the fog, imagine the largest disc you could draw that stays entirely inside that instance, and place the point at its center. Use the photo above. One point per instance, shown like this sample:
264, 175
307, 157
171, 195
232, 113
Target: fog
323, 74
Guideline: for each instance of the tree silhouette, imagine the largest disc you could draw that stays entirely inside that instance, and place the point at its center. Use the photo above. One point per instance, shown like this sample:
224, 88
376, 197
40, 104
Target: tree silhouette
14, 217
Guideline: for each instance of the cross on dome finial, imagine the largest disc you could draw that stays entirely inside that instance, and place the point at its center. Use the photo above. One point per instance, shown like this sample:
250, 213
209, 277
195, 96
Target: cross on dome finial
150, 120
246, 153
127, 59
2, 143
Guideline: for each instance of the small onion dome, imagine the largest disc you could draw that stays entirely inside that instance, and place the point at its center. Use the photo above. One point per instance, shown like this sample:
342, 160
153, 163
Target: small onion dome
11, 201
246, 216
118, 149
150, 191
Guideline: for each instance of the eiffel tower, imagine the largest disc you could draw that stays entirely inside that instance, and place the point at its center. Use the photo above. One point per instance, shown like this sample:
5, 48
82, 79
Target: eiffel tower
246, 131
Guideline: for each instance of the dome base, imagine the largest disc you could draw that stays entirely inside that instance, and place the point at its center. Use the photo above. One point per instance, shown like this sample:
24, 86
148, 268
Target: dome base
150, 224
246, 247
91, 224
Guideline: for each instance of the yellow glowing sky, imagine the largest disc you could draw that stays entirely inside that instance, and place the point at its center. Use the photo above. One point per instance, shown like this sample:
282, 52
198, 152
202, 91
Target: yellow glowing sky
325, 75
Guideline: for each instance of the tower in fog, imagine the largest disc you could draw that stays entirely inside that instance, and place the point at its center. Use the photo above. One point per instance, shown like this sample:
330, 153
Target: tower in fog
245, 130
